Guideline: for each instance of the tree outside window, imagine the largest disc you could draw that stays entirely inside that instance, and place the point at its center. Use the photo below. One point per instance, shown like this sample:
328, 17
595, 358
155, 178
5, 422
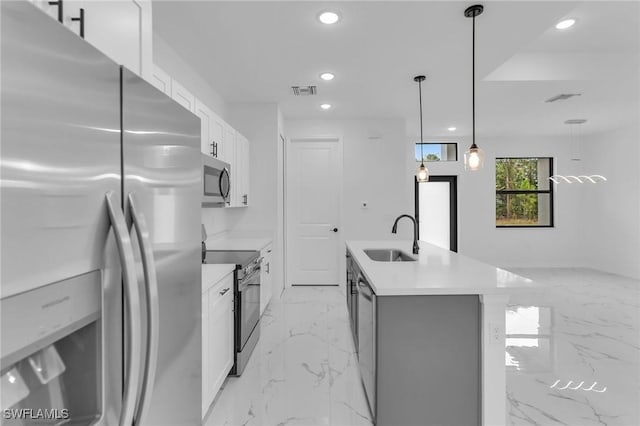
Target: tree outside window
524, 193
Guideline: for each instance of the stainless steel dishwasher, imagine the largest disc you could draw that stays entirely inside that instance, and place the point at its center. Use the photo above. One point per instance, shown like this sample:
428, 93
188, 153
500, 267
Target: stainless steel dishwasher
367, 339
352, 296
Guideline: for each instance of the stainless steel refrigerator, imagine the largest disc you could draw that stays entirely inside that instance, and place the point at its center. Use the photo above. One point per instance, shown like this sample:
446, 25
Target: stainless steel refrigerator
100, 237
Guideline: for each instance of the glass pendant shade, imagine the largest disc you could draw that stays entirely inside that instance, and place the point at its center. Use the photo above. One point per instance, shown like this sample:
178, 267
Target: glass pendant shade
473, 158
422, 174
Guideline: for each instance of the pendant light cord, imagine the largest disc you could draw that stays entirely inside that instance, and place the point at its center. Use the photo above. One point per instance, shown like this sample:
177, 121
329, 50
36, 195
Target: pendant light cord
473, 81
421, 141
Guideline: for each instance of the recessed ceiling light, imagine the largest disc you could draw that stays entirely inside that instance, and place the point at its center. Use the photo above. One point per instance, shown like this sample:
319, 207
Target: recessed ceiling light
563, 25
451, 129
329, 18
327, 76
325, 106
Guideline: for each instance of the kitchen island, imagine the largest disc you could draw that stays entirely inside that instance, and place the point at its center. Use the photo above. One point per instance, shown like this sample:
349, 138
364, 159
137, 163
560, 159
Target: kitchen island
430, 333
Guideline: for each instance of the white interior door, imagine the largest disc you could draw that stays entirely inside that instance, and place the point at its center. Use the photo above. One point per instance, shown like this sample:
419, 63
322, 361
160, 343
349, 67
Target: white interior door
313, 211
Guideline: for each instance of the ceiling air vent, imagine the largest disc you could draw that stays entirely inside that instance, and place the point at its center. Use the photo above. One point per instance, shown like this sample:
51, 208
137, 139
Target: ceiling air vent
304, 90
562, 97
576, 121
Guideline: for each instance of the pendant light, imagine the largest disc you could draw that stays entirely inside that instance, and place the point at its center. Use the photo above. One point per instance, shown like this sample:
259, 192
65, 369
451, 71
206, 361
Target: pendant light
422, 175
576, 158
474, 156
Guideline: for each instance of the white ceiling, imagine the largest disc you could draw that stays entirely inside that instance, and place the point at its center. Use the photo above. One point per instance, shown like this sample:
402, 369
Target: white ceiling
255, 52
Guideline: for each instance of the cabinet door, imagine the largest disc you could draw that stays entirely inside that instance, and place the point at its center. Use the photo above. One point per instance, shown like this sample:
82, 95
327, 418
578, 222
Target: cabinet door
70, 9
216, 135
161, 80
119, 29
239, 163
244, 149
114, 27
242, 170
230, 157
205, 115
183, 96
220, 335
206, 385
266, 282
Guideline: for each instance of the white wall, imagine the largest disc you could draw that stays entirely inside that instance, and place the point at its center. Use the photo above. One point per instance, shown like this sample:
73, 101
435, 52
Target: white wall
478, 236
610, 213
374, 153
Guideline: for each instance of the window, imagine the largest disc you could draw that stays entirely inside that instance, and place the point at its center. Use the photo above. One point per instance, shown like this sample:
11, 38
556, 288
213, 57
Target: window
524, 193
437, 151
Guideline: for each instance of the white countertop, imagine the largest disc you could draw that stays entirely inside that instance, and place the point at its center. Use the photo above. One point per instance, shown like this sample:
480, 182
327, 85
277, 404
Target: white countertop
212, 273
229, 243
436, 271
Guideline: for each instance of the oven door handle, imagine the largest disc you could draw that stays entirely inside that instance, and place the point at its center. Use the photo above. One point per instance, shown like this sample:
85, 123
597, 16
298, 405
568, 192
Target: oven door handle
243, 285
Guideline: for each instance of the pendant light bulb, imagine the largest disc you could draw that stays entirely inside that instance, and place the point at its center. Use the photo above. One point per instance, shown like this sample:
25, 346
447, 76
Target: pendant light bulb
474, 156
422, 175
473, 159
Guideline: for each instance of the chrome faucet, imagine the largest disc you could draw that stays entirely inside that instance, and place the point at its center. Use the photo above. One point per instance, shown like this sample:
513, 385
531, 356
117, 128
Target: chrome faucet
415, 230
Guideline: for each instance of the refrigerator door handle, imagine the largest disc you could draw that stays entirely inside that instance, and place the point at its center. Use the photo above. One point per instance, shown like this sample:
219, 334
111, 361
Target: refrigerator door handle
151, 292
132, 309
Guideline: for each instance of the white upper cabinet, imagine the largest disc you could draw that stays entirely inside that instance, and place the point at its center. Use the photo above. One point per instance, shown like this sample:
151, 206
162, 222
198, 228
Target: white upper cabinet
242, 168
239, 160
207, 145
212, 131
217, 126
230, 157
161, 80
121, 29
183, 96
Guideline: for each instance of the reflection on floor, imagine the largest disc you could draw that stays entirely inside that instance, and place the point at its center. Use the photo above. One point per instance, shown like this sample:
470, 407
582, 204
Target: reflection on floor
573, 351
304, 369
572, 358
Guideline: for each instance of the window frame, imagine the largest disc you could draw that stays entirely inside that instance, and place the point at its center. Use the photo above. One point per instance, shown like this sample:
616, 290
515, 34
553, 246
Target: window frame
549, 191
418, 143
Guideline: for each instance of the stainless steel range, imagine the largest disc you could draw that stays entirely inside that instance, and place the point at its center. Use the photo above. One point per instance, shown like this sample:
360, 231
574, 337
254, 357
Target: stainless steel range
247, 300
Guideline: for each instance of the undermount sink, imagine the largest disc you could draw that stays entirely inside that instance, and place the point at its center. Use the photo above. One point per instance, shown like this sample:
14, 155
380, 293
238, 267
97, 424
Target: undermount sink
388, 255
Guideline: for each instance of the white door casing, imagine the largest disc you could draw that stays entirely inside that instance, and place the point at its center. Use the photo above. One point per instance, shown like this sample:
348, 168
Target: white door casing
313, 185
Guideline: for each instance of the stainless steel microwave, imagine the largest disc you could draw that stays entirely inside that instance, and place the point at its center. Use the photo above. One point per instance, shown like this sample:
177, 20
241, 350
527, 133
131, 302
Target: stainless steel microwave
216, 182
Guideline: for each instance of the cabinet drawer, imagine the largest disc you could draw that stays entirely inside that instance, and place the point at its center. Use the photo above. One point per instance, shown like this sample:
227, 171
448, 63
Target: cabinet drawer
225, 280
222, 288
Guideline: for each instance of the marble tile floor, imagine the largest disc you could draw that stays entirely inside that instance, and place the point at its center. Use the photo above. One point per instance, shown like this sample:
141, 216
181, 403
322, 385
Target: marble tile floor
303, 370
573, 350
572, 358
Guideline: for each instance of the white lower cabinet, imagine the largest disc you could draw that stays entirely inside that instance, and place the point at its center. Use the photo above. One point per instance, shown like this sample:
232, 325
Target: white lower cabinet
266, 280
217, 338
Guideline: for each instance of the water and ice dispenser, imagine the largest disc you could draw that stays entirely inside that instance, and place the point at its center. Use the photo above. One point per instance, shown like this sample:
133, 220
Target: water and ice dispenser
51, 354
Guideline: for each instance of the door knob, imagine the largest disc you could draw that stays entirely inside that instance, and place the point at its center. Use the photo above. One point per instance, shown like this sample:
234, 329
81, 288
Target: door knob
335, 229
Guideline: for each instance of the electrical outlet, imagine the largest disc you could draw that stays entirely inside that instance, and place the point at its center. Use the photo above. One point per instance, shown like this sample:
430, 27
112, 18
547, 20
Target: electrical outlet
495, 333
